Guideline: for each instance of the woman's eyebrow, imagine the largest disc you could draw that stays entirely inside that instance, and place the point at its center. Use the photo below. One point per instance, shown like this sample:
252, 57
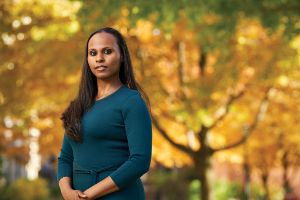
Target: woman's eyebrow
101, 48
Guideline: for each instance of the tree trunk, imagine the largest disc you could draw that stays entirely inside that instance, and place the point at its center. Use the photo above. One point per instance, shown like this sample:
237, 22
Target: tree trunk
201, 161
246, 186
286, 185
264, 178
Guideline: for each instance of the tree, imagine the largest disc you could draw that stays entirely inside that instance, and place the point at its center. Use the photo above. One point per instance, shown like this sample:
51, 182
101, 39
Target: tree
196, 53
28, 95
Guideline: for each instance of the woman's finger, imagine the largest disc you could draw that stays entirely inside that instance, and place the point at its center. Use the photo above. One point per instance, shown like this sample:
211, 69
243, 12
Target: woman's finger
81, 195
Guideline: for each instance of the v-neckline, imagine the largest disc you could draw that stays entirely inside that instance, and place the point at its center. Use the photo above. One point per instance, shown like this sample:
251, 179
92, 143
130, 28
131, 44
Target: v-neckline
110, 95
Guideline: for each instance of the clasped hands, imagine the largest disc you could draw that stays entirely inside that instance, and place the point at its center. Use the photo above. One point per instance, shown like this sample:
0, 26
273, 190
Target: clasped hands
76, 195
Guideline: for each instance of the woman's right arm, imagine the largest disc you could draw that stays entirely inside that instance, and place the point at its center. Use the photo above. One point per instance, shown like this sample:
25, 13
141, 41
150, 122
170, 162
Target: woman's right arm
65, 171
67, 191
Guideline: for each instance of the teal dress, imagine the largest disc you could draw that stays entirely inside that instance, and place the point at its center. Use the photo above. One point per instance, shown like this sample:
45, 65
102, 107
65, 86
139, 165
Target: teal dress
117, 142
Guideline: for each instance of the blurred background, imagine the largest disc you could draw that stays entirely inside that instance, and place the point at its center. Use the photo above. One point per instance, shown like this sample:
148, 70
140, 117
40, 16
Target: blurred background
222, 77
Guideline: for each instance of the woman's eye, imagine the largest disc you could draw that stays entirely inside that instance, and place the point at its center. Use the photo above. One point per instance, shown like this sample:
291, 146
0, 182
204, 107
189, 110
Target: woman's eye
107, 51
93, 53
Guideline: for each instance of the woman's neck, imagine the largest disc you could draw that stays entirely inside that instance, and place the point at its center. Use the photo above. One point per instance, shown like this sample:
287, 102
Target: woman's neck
106, 88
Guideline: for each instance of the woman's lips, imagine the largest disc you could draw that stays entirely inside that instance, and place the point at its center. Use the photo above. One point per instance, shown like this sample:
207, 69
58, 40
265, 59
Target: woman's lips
100, 68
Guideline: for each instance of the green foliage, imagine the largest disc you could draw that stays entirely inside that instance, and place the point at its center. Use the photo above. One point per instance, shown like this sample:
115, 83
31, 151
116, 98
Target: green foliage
224, 190
194, 189
276, 192
1, 168
24, 189
211, 34
257, 192
170, 184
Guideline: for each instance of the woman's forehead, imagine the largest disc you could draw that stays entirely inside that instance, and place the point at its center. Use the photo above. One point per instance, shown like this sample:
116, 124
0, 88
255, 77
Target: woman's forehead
102, 40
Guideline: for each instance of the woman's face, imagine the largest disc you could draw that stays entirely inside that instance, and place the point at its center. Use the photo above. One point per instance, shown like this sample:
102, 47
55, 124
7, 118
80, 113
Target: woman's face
104, 56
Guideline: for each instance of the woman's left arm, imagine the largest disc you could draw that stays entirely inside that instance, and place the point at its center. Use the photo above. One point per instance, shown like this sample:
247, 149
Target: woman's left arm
100, 189
138, 127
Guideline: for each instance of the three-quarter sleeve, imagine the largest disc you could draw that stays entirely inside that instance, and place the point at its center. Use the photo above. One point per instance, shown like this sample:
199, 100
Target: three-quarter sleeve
138, 128
65, 160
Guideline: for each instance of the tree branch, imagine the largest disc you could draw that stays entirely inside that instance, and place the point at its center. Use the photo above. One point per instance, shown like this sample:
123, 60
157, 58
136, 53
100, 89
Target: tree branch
248, 130
181, 76
222, 112
167, 137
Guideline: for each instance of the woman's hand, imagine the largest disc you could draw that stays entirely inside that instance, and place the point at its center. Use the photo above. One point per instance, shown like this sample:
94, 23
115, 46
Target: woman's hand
74, 195
82, 196
68, 192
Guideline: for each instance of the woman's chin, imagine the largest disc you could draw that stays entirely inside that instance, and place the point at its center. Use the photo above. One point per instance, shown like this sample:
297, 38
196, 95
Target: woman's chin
104, 76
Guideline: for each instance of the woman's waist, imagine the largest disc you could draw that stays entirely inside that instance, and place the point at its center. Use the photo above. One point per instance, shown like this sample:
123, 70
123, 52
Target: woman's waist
96, 167
86, 176
100, 160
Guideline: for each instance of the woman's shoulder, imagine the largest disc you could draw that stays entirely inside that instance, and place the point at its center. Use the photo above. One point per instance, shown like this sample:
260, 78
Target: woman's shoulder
129, 92
132, 97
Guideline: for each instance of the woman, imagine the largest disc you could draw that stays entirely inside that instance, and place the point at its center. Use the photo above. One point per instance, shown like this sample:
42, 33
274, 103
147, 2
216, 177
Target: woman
108, 132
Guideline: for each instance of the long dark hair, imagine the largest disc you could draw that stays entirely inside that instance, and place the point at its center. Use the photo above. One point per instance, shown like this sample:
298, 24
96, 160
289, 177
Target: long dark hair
88, 89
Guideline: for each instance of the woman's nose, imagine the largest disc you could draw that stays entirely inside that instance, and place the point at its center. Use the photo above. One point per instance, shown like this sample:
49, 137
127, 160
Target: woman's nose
99, 57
